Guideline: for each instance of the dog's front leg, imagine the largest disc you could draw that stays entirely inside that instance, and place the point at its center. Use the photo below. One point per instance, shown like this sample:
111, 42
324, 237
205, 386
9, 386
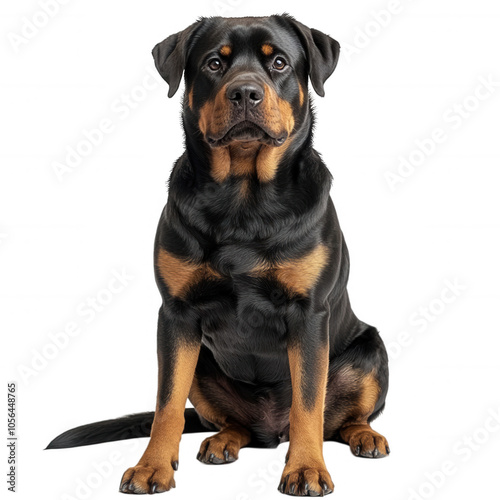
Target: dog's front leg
177, 358
305, 471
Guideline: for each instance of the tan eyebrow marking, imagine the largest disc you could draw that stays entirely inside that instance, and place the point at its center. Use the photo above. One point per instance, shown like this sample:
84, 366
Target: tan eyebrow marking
225, 50
267, 50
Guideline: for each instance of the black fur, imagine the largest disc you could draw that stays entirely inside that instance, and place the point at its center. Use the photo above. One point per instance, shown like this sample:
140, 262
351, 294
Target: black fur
129, 427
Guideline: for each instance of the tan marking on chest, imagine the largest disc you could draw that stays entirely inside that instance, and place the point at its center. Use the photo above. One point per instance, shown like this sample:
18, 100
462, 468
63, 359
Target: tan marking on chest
220, 166
298, 275
259, 158
245, 188
268, 160
180, 275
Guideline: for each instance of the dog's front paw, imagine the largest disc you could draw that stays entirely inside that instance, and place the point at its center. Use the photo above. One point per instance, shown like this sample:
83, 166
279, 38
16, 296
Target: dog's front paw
305, 481
148, 479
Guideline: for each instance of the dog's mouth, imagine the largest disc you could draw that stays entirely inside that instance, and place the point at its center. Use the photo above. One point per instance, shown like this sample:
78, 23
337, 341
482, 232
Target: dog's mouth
246, 131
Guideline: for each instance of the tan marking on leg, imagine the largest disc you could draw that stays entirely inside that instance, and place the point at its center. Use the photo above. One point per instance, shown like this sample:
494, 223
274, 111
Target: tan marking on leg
225, 50
357, 432
370, 391
161, 457
306, 425
168, 423
179, 274
267, 50
305, 462
203, 407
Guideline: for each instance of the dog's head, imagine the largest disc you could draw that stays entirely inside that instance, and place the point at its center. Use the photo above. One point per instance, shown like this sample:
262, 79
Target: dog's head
247, 78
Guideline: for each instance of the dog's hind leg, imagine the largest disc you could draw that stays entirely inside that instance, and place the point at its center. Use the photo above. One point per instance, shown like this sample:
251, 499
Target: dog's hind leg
357, 387
213, 404
223, 447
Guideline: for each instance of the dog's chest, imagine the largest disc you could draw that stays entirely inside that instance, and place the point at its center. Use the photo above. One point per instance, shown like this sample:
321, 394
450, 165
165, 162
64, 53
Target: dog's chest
242, 320
242, 300
242, 272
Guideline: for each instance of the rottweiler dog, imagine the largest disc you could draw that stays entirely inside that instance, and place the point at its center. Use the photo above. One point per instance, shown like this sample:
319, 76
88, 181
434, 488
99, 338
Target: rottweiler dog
255, 326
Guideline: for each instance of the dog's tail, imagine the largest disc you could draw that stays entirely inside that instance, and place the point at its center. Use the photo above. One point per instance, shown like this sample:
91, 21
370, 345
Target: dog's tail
129, 427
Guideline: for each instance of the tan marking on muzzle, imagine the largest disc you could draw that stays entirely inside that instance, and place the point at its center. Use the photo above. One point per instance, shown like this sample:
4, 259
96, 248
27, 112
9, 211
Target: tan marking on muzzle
215, 113
278, 113
278, 120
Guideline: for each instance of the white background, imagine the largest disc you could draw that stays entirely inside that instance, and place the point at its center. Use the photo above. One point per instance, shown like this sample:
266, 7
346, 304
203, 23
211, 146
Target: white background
61, 239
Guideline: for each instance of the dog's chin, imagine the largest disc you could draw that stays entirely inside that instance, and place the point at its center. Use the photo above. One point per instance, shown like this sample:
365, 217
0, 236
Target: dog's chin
246, 132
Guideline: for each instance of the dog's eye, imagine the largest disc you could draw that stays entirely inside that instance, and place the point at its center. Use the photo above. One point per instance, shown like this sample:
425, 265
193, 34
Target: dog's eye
279, 63
215, 64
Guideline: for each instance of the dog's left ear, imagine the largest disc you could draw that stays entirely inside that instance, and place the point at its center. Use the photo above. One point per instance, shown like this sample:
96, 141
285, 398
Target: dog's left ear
322, 54
171, 56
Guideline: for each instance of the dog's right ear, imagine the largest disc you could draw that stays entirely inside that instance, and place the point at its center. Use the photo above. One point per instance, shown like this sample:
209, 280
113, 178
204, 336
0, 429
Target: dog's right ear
171, 56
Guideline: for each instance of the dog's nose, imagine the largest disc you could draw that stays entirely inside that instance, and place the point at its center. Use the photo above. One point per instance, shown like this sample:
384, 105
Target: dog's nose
246, 93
